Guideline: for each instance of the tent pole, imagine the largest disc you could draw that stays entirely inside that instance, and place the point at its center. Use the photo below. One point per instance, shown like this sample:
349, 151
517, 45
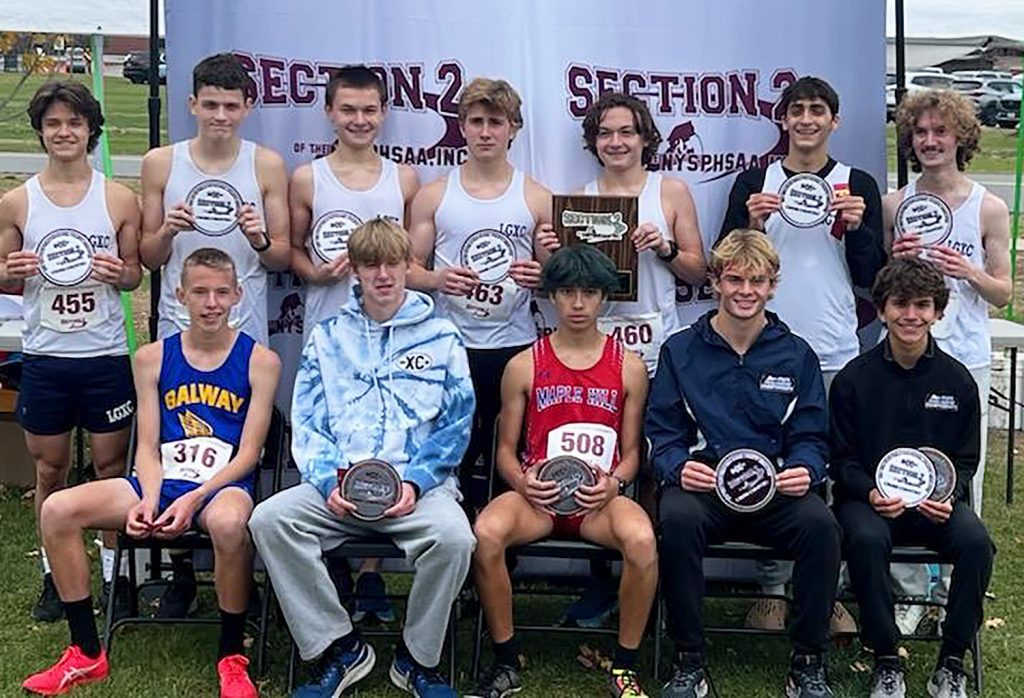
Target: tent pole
902, 176
153, 104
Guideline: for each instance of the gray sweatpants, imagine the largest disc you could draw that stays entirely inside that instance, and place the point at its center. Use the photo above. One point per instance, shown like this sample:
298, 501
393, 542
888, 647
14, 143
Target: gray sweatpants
294, 528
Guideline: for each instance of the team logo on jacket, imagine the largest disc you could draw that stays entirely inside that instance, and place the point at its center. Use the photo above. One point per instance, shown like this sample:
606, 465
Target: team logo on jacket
943, 403
415, 361
777, 384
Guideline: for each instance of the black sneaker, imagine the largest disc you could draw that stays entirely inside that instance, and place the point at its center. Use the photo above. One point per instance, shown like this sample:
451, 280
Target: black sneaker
887, 679
499, 681
48, 608
179, 597
122, 600
807, 677
689, 680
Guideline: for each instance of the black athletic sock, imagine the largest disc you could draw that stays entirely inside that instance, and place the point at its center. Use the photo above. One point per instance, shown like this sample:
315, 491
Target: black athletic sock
232, 634
345, 643
625, 658
507, 652
82, 624
181, 563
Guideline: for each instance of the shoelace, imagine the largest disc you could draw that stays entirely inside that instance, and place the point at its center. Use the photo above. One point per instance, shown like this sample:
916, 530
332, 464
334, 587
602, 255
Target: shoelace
430, 676
958, 680
890, 680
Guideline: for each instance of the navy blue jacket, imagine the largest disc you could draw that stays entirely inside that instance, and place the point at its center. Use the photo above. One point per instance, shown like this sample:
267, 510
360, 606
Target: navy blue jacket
707, 400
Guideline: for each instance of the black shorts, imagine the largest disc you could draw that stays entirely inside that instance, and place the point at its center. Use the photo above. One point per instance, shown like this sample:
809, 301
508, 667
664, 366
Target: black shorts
58, 394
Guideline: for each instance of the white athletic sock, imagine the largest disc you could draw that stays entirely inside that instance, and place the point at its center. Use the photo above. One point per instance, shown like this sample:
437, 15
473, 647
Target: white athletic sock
107, 563
46, 560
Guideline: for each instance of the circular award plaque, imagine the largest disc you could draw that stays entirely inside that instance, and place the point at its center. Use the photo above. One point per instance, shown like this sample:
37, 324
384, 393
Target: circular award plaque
215, 206
907, 473
330, 233
745, 480
945, 474
490, 254
805, 200
65, 257
927, 216
373, 486
570, 473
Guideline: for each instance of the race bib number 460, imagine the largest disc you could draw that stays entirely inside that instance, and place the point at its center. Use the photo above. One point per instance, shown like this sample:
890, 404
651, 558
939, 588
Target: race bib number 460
196, 459
69, 309
640, 333
597, 444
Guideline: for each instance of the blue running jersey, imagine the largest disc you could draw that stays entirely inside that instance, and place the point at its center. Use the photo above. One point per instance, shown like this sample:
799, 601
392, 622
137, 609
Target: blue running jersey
202, 412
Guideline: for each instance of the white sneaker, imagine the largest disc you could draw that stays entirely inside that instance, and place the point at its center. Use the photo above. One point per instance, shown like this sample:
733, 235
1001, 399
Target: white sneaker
908, 617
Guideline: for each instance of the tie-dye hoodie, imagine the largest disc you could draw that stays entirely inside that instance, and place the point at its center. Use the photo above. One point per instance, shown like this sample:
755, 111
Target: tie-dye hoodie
397, 390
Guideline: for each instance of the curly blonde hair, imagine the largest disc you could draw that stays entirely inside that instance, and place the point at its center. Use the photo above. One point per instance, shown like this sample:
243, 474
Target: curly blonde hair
955, 109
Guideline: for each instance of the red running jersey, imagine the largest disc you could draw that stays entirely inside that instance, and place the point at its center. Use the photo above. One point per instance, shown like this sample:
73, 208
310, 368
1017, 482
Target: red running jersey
575, 412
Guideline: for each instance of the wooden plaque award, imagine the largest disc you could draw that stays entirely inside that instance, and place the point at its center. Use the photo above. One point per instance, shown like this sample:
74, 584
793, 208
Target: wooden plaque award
607, 222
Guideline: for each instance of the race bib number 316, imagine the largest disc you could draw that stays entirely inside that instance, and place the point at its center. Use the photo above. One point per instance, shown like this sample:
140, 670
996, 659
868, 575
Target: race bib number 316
196, 459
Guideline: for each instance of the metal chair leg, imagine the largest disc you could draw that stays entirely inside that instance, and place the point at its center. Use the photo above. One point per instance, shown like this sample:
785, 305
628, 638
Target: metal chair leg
291, 664
978, 669
108, 630
478, 641
658, 620
261, 647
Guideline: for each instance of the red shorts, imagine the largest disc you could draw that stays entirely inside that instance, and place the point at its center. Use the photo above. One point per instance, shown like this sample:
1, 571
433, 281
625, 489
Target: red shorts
566, 527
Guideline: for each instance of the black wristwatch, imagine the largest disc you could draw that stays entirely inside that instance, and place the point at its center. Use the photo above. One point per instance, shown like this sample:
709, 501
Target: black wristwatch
623, 485
266, 243
673, 252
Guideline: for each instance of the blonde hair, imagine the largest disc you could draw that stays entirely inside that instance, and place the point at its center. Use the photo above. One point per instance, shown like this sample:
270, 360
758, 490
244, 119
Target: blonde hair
746, 251
379, 241
211, 258
493, 94
956, 111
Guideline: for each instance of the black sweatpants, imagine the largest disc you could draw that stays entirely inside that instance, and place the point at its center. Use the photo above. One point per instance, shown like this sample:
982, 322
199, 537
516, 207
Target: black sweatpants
801, 527
868, 540
486, 366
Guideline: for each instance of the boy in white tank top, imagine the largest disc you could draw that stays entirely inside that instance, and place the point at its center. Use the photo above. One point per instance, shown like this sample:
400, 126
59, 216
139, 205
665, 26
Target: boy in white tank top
939, 131
474, 235
332, 196
76, 369
216, 190
328, 199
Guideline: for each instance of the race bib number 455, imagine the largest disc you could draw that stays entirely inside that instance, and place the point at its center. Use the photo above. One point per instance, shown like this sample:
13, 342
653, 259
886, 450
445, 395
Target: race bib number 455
69, 309
196, 459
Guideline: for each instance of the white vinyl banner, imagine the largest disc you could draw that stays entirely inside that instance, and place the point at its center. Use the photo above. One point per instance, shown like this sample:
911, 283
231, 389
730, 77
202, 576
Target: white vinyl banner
711, 73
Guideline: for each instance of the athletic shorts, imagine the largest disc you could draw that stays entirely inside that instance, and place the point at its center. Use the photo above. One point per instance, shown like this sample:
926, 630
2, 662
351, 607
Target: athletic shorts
58, 394
566, 527
172, 489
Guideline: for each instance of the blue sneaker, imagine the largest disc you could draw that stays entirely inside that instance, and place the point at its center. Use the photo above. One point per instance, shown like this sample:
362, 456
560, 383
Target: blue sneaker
372, 600
595, 606
336, 671
422, 683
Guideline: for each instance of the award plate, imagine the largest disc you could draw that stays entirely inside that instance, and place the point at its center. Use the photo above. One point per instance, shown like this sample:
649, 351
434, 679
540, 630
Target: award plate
489, 253
945, 474
215, 206
745, 480
372, 485
329, 235
607, 222
805, 200
926, 215
907, 473
65, 257
570, 473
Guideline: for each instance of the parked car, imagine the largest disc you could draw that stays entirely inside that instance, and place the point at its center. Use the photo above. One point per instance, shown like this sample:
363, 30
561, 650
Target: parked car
987, 95
914, 81
1008, 110
982, 75
77, 62
136, 68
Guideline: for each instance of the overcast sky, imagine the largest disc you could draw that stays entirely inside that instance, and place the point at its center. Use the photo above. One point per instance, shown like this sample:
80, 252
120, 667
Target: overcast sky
923, 17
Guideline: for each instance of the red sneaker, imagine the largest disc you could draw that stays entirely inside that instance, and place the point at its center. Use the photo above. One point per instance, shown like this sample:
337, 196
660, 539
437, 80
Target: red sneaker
234, 679
72, 669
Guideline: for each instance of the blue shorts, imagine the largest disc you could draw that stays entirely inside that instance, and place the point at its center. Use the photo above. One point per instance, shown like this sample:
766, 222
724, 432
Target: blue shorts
58, 394
172, 489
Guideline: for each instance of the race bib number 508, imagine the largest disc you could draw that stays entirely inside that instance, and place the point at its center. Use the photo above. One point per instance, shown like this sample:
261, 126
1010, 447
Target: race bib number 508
595, 443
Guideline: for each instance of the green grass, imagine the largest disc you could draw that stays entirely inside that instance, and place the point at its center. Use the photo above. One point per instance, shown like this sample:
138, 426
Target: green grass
127, 122
180, 661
